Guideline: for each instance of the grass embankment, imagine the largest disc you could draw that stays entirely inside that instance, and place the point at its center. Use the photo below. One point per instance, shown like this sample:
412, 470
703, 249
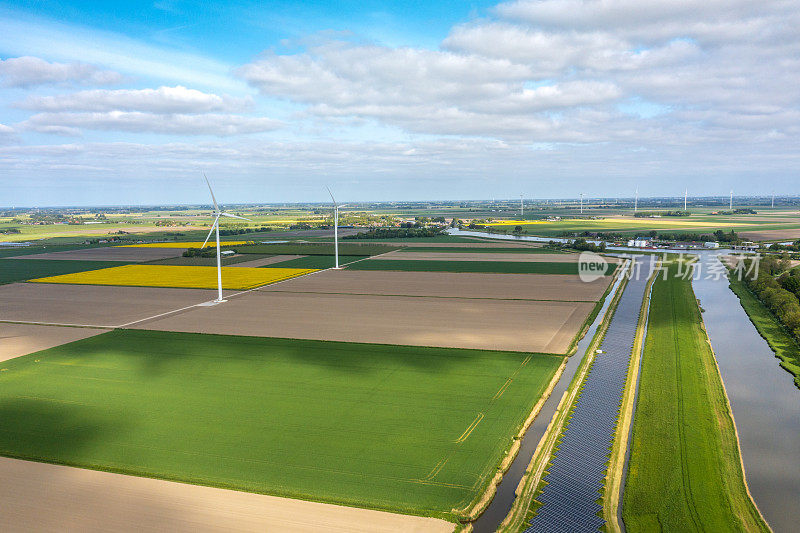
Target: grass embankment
408, 429
499, 267
685, 472
785, 347
184, 277
12, 270
313, 248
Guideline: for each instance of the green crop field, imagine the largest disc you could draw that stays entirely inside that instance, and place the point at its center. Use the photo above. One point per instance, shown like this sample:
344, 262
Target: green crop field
314, 249
519, 250
410, 429
316, 261
785, 347
684, 472
496, 267
12, 270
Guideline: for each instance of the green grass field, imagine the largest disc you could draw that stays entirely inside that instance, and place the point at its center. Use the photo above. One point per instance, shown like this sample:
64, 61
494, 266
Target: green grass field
465, 250
684, 472
316, 261
410, 429
785, 347
314, 248
12, 270
497, 267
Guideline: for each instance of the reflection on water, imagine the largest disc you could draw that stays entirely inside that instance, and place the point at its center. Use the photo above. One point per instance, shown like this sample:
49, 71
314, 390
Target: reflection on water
765, 402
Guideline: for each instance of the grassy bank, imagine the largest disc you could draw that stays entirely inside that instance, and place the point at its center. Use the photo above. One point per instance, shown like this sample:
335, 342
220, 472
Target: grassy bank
785, 347
685, 472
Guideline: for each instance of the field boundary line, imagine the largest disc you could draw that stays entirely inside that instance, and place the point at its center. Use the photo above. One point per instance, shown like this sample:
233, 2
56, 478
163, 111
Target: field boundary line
57, 324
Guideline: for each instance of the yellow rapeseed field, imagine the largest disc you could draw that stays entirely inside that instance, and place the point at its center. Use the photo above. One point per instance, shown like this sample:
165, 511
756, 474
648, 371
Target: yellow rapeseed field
209, 244
194, 277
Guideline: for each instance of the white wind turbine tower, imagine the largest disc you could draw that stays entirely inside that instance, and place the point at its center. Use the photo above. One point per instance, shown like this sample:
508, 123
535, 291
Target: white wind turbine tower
521, 208
215, 226
335, 227
685, 194
731, 205
773, 199
636, 201
581, 203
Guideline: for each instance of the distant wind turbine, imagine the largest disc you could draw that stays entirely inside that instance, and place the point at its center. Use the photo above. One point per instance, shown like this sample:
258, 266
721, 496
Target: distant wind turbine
731, 206
521, 208
685, 194
581, 203
636, 201
215, 226
335, 227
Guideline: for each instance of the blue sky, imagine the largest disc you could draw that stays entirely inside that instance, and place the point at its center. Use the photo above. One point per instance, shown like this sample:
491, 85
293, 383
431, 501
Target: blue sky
122, 102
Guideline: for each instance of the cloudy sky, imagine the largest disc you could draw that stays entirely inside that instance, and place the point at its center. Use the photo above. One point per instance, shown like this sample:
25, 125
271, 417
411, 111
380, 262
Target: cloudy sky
121, 103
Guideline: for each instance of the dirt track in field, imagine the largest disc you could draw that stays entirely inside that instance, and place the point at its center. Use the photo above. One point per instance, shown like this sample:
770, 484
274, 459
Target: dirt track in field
44, 497
92, 305
771, 235
266, 261
447, 284
482, 256
21, 339
515, 325
110, 254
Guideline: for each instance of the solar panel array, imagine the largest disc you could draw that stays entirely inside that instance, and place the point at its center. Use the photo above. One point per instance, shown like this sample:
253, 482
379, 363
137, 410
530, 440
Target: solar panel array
577, 470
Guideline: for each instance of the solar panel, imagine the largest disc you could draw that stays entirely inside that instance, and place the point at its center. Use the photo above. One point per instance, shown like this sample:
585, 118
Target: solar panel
578, 468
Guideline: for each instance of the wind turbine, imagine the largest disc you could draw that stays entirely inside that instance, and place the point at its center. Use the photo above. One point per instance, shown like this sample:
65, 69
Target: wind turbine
335, 227
731, 206
636, 201
521, 208
581, 203
685, 194
218, 213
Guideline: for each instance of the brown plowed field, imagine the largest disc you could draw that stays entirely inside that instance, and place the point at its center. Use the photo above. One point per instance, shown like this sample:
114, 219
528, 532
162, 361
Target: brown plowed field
447, 284
22, 339
45, 497
92, 305
515, 325
771, 235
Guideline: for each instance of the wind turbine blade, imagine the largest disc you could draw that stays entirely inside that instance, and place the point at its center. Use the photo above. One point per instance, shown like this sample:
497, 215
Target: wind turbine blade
329, 192
210, 231
235, 216
216, 207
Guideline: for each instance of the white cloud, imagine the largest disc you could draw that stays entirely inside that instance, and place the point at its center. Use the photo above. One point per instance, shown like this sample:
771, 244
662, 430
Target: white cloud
28, 71
137, 122
177, 99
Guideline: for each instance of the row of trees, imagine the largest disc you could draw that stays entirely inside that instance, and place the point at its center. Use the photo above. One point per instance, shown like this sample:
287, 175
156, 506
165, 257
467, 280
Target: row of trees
646, 214
778, 287
396, 233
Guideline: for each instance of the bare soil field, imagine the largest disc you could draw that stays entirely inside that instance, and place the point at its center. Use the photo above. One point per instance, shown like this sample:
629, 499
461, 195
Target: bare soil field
477, 243
447, 285
51, 498
92, 305
771, 235
111, 254
22, 339
267, 260
513, 325
481, 256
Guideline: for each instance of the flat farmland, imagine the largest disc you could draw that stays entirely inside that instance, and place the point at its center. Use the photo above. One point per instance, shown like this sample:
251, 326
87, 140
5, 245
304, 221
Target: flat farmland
93, 305
47, 497
484, 266
196, 277
448, 285
515, 325
22, 339
13, 269
401, 428
115, 253
480, 256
